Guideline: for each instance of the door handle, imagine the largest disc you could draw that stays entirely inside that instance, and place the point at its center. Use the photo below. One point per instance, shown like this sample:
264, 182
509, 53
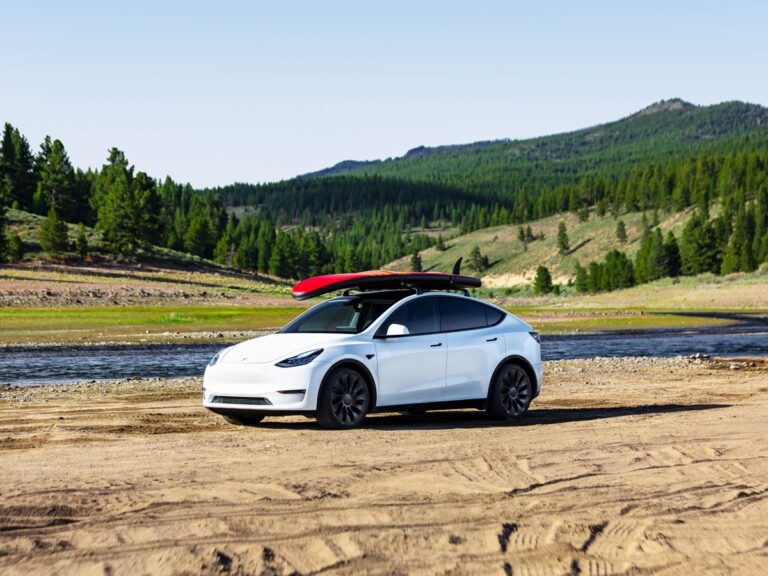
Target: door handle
492, 339
435, 345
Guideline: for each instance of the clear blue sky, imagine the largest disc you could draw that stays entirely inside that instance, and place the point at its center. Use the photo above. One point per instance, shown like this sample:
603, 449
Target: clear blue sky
222, 91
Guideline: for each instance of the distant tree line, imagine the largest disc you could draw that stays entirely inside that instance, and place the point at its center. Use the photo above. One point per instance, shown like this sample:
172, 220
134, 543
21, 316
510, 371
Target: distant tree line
669, 185
134, 211
305, 226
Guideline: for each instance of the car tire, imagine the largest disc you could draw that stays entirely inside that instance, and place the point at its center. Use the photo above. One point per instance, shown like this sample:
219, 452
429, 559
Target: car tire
511, 393
244, 420
344, 399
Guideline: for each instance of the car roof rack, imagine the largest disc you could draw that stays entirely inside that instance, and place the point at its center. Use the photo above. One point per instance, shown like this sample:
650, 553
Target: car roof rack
416, 289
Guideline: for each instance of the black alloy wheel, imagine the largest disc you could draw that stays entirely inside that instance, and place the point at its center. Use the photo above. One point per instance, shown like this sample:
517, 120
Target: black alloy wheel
511, 394
344, 400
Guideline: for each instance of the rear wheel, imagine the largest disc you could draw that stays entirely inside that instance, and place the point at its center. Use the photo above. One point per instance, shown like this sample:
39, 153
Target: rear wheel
511, 393
244, 420
344, 400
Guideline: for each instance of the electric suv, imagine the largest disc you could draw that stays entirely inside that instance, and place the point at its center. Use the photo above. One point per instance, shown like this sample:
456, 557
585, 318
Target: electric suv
399, 350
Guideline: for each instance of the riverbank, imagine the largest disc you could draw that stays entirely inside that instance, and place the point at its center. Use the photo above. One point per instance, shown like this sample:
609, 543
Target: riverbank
622, 465
109, 303
205, 324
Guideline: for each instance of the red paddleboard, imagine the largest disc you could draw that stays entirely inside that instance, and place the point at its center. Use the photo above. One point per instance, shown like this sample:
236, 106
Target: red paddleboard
380, 280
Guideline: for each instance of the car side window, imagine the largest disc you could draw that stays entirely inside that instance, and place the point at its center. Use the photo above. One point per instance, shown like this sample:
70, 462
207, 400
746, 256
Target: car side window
493, 315
419, 317
462, 314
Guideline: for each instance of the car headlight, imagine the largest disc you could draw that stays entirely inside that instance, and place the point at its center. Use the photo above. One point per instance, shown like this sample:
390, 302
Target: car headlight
300, 360
535, 336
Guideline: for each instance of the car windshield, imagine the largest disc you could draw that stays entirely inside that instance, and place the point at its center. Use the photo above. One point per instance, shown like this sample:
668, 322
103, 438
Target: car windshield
347, 315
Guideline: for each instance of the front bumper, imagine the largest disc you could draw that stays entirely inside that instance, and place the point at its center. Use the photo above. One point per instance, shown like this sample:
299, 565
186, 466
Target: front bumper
232, 388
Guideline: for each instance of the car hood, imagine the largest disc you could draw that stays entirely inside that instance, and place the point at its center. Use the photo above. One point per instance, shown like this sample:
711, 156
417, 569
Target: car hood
275, 347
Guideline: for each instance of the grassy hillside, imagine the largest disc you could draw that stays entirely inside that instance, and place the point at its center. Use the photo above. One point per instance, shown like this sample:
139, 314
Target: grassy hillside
27, 226
512, 263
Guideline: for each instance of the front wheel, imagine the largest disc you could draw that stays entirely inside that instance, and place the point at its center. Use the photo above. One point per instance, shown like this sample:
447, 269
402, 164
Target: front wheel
244, 420
511, 393
344, 400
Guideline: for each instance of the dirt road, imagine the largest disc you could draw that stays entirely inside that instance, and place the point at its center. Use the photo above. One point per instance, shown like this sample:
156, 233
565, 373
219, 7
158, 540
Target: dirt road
622, 467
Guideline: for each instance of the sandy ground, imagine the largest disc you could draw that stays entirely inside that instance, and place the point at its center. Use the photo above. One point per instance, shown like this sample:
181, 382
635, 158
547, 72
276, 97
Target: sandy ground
626, 466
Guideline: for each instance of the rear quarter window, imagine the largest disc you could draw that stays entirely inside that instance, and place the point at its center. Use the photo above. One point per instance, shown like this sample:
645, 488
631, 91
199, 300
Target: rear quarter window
493, 315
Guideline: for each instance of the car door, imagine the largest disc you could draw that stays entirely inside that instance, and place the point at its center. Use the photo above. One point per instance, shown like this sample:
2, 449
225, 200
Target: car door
475, 346
411, 367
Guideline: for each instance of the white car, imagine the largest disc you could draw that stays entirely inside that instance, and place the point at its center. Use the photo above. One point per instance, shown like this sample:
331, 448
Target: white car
400, 350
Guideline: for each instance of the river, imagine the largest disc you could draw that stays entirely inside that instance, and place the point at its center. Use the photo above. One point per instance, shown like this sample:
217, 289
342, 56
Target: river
22, 366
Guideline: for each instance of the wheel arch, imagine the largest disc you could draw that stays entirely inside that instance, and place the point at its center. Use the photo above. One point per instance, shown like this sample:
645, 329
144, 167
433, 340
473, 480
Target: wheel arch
360, 367
518, 361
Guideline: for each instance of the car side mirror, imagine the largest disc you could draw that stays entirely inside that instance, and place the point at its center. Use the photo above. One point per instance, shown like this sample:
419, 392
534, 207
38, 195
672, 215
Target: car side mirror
397, 330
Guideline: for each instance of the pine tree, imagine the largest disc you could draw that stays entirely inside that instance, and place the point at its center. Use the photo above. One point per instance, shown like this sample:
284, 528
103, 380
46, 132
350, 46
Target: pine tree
745, 230
621, 232
760, 240
521, 234
440, 244
673, 255
594, 277
562, 238
116, 204
643, 257
264, 244
82, 242
416, 261
542, 284
698, 247
3, 246
246, 256
198, 238
528, 233
53, 233
15, 248
17, 178
7, 161
658, 267
56, 182
148, 212
3, 240
128, 206
279, 260
617, 271
224, 251
582, 284
478, 261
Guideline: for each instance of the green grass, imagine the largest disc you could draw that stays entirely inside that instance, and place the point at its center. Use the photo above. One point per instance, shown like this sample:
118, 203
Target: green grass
171, 324
95, 324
